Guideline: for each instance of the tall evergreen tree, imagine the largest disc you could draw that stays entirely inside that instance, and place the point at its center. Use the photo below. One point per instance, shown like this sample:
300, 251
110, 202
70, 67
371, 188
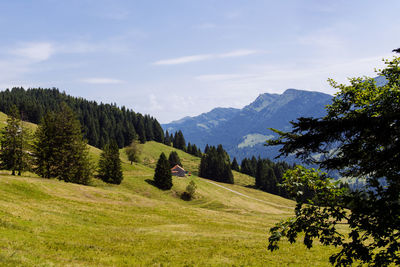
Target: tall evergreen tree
215, 165
235, 165
179, 141
110, 169
14, 144
158, 131
59, 149
167, 139
162, 174
174, 159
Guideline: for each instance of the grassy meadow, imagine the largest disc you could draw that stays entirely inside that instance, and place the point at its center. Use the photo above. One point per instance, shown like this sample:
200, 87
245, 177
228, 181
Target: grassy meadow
46, 222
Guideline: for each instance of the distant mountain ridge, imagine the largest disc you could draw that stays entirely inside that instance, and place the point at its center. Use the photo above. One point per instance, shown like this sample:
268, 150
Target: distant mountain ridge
243, 132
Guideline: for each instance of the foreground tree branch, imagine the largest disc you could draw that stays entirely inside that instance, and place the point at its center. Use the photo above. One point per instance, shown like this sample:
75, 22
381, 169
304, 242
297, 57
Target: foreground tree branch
359, 138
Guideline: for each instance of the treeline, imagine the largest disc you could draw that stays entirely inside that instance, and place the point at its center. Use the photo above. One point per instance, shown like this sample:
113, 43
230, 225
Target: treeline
268, 174
101, 123
215, 165
57, 149
177, 140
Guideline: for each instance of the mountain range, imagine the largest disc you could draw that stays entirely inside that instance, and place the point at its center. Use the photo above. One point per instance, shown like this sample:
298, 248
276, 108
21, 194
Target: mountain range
243, 132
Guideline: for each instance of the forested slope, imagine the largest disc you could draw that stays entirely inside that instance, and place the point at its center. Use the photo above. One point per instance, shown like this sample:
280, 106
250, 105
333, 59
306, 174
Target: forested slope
100, 122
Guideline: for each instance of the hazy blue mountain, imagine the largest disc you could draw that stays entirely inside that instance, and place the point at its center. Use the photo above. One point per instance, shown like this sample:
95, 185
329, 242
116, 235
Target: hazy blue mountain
243, 132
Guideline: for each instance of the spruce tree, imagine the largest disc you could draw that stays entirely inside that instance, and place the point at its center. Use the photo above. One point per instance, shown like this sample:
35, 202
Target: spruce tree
215, 165
59, 149
179, 141
174, 159
14, 144
235, 165
167, 139
162, 174
110, 169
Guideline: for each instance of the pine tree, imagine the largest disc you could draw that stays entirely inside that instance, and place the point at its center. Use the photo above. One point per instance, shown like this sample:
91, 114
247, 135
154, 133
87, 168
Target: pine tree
235, 165
110, 169
59, 149
216, 165
162, 174
167, 139
174, 159
179, 141
14, 143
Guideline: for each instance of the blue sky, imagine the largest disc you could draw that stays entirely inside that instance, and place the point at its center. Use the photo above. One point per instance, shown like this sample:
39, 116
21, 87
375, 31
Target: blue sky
176, 58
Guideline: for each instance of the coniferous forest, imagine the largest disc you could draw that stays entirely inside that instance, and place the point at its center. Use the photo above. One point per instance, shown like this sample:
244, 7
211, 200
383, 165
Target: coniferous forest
268, 174
215, 165
101, 123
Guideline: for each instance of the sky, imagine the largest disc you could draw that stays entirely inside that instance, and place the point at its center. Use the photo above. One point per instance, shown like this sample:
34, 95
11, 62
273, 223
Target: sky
178, 58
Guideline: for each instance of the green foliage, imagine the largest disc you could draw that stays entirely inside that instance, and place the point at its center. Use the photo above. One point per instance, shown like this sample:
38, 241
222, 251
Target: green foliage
14, 143
318, 215
190, 191
268, 174
235, 165
215, 165
174, 159
59, 149
110, 169
133, 151
193, 150
168, 139
179, 141
359, 137
162, 174
101, 123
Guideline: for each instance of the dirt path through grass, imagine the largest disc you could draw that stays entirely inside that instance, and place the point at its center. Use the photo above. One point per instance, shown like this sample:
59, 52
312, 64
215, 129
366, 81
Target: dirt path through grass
241, 194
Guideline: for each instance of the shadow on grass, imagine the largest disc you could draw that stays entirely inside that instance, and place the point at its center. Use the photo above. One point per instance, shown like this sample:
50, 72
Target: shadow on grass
251, 186
186, 196
151, 182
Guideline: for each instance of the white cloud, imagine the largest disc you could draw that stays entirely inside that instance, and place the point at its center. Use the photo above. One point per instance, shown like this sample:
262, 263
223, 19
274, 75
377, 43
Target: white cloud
99, 80
202, 57
238, 53
183, 60
39, 51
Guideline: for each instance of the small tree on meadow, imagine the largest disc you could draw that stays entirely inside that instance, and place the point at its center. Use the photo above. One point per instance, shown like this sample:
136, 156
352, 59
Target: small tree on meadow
190, 191
110, 170
162, 175
133, 151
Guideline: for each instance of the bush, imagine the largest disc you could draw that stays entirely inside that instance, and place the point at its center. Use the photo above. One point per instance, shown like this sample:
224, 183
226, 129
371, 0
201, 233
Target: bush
190, 191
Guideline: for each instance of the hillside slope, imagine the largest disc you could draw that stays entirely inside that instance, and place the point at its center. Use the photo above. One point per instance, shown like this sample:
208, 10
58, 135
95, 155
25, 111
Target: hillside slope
46, 222
49, 222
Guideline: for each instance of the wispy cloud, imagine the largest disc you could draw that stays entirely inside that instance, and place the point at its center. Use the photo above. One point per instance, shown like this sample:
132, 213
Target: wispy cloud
183, 60
238, 53
99, 80
203, 57
37, 51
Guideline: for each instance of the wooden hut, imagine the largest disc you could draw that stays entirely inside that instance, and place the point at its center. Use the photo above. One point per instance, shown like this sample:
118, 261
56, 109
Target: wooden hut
178, 171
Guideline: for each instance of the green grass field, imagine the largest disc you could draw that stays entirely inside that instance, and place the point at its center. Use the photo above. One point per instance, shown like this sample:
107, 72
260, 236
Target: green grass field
52, 223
